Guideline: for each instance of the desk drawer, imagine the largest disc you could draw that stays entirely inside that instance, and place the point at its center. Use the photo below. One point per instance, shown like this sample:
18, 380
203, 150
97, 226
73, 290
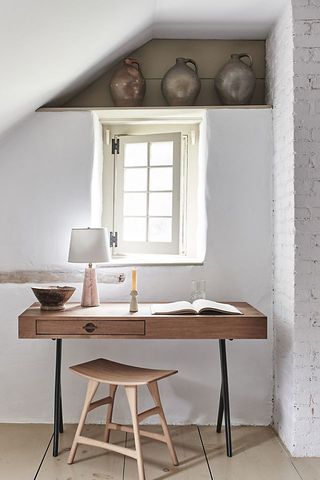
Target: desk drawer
90, 327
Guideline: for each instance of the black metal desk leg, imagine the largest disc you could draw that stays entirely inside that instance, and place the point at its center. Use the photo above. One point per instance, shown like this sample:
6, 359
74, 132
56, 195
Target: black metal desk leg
225, 391
60, 416
220, 412
57, 424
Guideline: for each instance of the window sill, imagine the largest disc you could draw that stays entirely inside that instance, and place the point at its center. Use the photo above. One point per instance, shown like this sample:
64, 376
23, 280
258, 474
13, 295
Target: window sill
150, 260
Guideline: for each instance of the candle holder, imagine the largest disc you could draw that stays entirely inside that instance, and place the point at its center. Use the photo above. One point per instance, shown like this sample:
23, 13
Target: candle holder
134, 301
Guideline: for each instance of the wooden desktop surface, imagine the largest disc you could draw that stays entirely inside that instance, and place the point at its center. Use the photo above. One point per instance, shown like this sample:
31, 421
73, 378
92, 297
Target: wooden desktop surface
113, 320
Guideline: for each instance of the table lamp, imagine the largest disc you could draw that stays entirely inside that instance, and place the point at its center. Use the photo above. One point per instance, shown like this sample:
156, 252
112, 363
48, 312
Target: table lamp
89, 245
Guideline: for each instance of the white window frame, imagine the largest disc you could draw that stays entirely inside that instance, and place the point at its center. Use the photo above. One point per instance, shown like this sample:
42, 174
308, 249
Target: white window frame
147, 247
192, 211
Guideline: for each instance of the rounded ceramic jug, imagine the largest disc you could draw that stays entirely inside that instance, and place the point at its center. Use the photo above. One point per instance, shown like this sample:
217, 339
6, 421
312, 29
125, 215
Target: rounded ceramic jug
181, 84
128, 86
236, 81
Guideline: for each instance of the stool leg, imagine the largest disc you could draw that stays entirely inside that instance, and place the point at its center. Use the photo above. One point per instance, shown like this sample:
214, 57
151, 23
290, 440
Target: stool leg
154, 391
91, 390
131, 392
112, 392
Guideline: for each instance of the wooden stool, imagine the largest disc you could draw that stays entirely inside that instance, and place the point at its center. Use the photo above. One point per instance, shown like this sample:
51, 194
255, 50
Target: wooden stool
115, 374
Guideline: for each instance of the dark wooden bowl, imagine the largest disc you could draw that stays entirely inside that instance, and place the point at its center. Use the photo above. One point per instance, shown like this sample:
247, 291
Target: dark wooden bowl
53, 298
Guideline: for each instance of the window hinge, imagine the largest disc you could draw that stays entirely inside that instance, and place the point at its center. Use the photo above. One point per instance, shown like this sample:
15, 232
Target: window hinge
115, 146
113, 239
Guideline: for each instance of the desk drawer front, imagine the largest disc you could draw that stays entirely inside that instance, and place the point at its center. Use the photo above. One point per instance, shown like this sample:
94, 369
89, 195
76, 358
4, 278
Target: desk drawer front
90, 327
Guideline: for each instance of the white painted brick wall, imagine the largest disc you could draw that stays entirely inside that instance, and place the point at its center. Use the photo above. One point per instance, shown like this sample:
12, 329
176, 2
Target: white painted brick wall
279, 53
306, 27
293, 58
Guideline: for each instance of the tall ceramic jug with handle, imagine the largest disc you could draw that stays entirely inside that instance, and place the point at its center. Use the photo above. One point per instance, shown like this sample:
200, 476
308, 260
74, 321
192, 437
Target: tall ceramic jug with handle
181, 84
235, 82
128, 86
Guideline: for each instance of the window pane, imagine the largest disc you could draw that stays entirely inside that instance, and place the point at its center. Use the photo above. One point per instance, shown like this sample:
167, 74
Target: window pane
135, 154
134, 229
160, 204
161, 153
135, 179
161, 178
160, 230
134, 204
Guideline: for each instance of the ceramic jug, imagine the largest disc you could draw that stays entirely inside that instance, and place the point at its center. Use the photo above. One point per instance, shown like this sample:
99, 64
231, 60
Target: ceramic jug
235, 82
128, 86
181, 84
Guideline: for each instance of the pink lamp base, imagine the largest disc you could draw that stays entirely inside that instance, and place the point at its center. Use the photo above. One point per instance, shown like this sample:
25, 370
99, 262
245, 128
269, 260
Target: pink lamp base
90, 294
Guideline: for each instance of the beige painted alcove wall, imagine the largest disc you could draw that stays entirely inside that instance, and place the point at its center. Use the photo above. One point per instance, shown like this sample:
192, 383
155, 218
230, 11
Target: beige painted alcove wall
157, 56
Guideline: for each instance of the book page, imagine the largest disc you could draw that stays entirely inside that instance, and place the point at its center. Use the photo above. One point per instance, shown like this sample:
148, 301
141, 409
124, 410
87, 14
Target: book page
203, 304
173, 307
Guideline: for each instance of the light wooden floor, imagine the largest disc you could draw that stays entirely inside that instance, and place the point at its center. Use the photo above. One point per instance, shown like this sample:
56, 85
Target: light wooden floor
26, 454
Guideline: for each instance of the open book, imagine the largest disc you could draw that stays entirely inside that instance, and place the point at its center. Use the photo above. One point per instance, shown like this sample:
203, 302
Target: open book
198, 307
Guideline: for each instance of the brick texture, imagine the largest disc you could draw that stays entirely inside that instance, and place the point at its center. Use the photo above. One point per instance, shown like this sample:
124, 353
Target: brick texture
280, 93
293, 58
306, 37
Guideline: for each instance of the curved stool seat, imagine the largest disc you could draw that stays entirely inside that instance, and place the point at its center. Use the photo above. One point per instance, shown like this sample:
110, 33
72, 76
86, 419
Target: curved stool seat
106, 371
130, 377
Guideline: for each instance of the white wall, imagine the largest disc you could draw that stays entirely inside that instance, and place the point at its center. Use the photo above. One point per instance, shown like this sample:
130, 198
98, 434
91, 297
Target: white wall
207, 19
279, 52
307, 226
62, 46
47, 155
45, 190
293, 59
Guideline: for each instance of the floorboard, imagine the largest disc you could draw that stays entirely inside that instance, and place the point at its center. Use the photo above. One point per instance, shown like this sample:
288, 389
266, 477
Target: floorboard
90, 463
43, 457
308, 468
190, 453
21, 449
257, 453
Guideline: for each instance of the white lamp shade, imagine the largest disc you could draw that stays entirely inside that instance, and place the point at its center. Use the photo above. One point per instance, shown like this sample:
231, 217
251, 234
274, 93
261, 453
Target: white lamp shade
89, 245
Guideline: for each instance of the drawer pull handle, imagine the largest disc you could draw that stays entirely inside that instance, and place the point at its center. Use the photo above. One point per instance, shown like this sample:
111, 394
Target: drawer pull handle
90, 327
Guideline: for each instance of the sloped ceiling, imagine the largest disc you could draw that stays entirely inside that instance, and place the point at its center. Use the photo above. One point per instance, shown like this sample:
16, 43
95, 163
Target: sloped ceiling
228, 19
49, 48
48, 45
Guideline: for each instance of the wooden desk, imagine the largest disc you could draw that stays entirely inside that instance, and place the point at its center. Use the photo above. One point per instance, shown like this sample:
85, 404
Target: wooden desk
113, 320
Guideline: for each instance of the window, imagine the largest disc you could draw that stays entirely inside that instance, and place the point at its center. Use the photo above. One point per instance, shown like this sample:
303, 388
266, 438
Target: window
147, 193
150, 191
